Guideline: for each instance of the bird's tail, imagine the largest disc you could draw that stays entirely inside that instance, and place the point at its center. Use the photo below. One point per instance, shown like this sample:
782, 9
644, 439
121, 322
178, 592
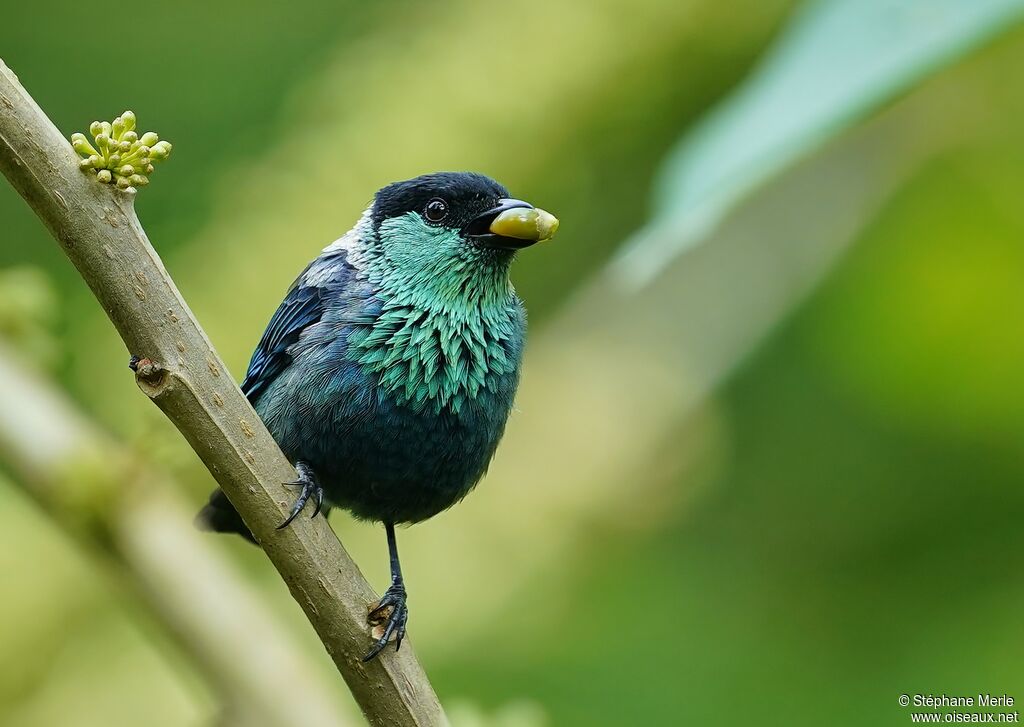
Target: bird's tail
220, 516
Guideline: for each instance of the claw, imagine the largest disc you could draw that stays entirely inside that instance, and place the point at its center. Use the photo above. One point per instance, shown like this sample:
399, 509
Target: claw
310, 488
395, 599
319, 501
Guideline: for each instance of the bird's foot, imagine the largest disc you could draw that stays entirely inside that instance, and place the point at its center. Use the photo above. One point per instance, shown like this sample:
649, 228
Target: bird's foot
388, 618
309, 488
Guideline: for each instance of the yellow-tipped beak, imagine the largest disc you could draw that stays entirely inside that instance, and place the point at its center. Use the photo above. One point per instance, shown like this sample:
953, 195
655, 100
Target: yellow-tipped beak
525, 223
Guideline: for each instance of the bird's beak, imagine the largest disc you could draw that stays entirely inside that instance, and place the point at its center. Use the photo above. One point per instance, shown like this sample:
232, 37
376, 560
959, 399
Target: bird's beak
512, 225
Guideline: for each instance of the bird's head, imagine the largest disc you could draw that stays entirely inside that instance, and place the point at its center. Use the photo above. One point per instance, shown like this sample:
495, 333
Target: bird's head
448, 229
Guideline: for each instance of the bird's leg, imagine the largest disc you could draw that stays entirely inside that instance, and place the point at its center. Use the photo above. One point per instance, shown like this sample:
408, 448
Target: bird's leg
309, 488
394, 599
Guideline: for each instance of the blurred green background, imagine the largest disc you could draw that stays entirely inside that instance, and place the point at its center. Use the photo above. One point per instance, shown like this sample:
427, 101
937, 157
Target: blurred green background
767, 461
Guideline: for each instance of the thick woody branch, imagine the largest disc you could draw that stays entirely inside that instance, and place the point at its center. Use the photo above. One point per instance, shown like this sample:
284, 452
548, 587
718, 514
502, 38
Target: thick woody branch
97, 228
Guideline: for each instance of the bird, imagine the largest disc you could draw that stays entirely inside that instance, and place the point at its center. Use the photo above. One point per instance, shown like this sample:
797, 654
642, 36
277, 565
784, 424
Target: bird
388, 372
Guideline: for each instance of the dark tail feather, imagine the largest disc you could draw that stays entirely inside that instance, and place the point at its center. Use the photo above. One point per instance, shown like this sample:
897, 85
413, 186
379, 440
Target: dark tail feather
220, 516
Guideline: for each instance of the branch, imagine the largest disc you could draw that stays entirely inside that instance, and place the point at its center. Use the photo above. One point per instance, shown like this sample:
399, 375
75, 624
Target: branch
132, 513
97, 228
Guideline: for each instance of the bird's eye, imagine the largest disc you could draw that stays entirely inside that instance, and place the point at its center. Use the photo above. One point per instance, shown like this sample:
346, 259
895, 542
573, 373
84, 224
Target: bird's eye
436, 210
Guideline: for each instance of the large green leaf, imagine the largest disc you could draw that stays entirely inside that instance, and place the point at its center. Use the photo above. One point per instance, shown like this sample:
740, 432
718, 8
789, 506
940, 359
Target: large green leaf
836, 61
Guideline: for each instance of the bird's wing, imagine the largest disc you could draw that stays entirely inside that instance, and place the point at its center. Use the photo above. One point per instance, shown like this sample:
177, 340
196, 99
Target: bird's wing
303, 305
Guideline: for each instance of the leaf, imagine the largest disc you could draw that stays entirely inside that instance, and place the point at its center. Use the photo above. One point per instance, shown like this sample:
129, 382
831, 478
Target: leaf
836, 62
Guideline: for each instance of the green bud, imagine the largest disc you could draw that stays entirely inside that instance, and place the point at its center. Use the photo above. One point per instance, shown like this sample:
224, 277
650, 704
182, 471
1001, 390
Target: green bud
137, 180
149, 169
113, 160
160, 151
106, 128
103, 142
95, 128
124, 146
117, 128
82, 145
96, 161
104, 176
85, 164
123, 183
130, 136
150, 138
126, 171
128, 118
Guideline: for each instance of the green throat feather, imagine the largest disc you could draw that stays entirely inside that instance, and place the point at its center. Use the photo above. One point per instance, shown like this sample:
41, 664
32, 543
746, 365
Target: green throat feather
451, 325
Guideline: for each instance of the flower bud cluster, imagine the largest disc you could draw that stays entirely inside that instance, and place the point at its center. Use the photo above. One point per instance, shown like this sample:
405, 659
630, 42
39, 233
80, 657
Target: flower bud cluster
118, 154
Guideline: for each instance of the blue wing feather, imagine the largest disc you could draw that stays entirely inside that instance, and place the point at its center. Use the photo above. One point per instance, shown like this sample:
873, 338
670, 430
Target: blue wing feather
303, 306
